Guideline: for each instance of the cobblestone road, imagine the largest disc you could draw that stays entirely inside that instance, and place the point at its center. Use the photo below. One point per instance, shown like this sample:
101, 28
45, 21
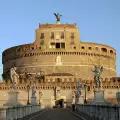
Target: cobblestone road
56, 114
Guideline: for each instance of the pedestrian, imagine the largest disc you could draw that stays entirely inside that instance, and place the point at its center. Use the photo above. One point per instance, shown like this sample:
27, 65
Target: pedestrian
73, 107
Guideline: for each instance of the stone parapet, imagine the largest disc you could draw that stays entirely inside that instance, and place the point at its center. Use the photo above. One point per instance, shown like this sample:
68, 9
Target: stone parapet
10, 113
101, 112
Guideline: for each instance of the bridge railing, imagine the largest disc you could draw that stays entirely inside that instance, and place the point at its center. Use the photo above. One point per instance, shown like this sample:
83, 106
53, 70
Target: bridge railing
101, 112
10, 113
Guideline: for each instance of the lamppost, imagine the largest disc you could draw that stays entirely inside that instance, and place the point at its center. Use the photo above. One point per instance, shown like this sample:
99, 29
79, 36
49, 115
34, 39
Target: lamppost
54, 93
85, 100
28, 89
40, 95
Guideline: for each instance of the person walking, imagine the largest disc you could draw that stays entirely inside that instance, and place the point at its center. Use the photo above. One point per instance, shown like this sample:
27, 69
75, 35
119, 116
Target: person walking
73, 107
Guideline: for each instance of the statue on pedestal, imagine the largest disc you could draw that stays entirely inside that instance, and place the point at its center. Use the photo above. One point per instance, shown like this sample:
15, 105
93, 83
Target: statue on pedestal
14, 78
13, 94
97, 72
78, 92
98, 93
73, 97
58, 93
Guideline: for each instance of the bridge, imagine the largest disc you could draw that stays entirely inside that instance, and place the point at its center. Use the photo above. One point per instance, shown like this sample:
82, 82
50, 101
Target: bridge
82, 112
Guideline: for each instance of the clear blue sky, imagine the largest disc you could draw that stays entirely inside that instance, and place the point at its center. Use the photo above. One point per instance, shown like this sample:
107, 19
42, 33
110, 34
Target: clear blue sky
98, 20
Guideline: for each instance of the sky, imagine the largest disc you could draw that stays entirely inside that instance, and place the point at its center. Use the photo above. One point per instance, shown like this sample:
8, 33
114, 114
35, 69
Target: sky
97, 20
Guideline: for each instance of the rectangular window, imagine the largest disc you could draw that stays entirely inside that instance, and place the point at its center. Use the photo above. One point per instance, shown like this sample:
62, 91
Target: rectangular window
72, 35
57, 45
62, 45
52, 45
62, 35
52, 35
42, 36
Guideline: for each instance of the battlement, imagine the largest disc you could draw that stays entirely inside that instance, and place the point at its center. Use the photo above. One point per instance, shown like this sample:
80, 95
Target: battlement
57, 25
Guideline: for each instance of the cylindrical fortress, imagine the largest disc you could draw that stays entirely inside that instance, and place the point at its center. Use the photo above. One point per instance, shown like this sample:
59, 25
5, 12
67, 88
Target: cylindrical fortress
58, 49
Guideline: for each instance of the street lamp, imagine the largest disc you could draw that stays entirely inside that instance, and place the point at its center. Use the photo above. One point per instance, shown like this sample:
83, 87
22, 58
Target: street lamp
85, 99
40, 95
28, 89
54, 93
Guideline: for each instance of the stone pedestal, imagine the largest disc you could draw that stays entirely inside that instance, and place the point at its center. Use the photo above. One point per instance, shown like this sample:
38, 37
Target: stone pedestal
58, 22
12, 99
81, 100
33, 100
52, 101
99, 98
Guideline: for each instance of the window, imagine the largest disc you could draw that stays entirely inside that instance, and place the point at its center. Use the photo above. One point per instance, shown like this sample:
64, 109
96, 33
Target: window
32, 48
52, 35
118, 80
111, 51
74, 47
89, 48
62, 35
58, 80
52, 45
104, 49
82, 47
42, 36
62, 45
72, 35
57, 45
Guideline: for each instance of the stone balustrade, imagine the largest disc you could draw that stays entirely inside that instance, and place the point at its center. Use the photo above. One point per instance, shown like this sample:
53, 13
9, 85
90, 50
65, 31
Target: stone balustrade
10, 113
101, 112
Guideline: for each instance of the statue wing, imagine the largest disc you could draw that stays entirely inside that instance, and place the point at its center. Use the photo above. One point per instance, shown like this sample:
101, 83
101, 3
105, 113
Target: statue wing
55, 14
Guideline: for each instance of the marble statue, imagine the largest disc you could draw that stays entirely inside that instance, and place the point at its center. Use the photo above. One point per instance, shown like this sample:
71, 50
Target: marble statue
58, 93
58, 60
79, 87
97, 73
57, 16
79, 93
14, 78
73, 97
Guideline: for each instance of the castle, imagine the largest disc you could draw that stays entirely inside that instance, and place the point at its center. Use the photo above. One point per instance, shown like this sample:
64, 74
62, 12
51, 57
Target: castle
58, 59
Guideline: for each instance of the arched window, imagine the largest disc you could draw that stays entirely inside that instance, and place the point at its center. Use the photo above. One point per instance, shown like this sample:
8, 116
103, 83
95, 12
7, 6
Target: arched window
82, 47
89, 48
111, 51
58, 80
104, 49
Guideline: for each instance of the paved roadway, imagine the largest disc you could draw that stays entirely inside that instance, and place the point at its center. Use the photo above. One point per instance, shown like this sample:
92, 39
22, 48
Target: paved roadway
56, 114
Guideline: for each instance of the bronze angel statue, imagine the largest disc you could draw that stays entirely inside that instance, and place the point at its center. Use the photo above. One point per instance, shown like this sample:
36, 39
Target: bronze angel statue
57, 15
